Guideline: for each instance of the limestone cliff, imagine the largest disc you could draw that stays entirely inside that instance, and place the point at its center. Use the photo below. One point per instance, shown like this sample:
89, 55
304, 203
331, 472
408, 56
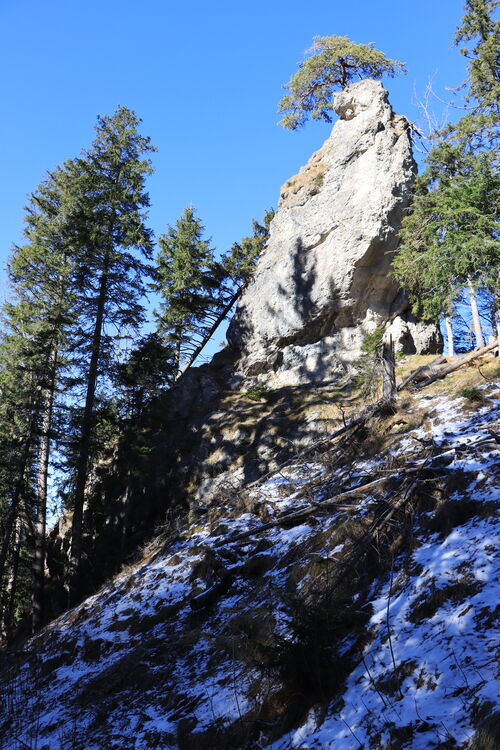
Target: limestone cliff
324, 278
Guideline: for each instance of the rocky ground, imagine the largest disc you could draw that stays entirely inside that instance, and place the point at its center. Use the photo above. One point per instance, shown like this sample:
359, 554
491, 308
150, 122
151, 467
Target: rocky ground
347, 601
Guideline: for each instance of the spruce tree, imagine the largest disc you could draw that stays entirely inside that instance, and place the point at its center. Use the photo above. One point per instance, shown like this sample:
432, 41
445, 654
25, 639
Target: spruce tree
191, 285
478, 129
239, 263
19, 410
144, 375
450, 237
36, 320
113, 244
199, 291
450, 240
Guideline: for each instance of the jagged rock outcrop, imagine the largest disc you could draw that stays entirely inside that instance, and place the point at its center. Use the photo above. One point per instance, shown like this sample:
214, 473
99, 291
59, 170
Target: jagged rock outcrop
324, 278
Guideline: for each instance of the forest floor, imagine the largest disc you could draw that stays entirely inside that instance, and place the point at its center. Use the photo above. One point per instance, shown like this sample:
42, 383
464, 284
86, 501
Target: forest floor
348, 601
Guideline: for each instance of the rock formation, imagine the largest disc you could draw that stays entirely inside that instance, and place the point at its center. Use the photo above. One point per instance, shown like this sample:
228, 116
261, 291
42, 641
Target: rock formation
322, 283
324, 279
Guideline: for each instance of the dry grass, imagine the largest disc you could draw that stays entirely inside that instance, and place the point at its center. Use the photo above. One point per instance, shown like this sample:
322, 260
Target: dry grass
426, 606
484, 370
307, 182
487, 736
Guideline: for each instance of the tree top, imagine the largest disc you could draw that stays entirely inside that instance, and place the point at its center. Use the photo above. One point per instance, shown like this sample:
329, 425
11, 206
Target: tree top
333, 63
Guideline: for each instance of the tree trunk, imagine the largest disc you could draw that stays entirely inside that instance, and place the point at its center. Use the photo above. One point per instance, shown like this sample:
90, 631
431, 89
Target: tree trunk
177, 352
449, 336
343, 73
127, 507
443, 371
421, 373
11, 585
389, 372
209, 334
478, 333
75, 555
12, 514
41, 517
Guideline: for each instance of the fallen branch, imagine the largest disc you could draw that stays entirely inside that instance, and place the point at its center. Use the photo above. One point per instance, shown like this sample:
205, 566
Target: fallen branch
370, 412
421, 372
443, 371
366, 540
327, 503
385, 517
270, 525
305, 511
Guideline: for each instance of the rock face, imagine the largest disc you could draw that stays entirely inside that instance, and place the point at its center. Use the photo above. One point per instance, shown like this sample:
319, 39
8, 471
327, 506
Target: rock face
324, 277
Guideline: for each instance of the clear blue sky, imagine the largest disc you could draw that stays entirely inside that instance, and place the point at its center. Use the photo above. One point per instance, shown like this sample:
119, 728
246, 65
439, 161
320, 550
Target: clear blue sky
205, 78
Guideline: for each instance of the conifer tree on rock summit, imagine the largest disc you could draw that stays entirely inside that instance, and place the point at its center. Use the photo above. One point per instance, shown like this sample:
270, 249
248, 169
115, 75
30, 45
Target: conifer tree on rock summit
334, 63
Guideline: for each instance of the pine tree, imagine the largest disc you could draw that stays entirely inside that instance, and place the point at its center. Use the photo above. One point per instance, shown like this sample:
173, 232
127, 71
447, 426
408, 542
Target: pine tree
334, 63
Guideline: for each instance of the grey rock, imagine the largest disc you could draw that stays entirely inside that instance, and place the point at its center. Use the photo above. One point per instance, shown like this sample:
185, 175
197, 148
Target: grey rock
324, 279
412, 336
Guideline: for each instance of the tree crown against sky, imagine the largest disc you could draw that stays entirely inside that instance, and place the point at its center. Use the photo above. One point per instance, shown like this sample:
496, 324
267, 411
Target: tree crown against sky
333, 63
477, 129
197, 289
66, 93
479, 27
450, 237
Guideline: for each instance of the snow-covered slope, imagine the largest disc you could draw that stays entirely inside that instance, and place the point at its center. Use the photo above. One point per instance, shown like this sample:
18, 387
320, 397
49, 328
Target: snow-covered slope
205, 643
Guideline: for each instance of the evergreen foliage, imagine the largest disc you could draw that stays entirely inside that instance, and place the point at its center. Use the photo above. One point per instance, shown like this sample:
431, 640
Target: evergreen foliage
334, 63
479, 128
239, 263
197, 290
76, 377
112, 242
189, 282
36, 323
147, 372
450, 239
450, 235
69, 393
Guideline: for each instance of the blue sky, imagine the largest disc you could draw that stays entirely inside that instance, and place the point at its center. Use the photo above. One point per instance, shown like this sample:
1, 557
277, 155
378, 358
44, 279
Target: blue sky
205, 78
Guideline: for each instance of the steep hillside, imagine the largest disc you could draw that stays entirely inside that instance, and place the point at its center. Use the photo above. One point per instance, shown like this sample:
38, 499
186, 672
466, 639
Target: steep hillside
348, 600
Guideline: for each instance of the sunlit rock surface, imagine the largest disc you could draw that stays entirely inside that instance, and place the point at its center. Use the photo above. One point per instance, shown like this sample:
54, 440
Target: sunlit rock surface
325, 274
